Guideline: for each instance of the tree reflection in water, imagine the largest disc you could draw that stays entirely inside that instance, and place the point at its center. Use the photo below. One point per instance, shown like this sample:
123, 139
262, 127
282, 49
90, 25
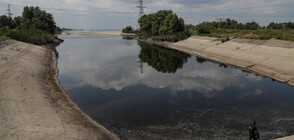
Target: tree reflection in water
162, 59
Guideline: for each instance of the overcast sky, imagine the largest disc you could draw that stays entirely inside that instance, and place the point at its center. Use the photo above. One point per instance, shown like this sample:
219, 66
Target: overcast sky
116, 14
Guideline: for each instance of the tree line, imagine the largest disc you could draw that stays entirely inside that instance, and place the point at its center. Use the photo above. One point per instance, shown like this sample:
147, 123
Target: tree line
165, 25
285, 25
32, 18
34, 26
205, 27
229, 24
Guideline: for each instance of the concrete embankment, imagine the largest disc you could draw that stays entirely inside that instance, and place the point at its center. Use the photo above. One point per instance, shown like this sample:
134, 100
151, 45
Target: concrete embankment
271, 58
32, 103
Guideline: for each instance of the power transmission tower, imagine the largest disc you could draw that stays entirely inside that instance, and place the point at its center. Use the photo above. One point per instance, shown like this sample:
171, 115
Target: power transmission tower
141, 13
141, 8
9, 11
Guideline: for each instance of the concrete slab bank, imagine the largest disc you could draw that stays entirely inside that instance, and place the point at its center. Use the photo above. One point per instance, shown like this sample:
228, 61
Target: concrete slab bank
271, 58
33, 106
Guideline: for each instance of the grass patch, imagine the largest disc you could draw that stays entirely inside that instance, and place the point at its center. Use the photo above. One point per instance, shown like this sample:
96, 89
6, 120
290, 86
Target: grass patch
263, 34
33, 36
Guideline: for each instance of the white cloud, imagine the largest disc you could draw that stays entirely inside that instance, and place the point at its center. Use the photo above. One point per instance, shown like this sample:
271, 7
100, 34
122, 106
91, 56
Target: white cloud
115, 68
262, 11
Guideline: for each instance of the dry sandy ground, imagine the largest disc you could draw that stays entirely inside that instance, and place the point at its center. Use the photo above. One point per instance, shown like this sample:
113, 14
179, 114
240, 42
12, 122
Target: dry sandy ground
33, 106
63, 34
271, 58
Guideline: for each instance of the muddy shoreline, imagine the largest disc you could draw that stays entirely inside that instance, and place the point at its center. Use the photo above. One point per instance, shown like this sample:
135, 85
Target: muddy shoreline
33, 103
59, 92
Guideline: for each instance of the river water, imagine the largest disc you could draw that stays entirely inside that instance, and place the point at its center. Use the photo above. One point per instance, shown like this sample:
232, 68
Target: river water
141, 91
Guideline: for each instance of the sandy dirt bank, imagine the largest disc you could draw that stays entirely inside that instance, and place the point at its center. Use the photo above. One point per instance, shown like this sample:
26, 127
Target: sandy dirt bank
63, 33
271, 58
32, 103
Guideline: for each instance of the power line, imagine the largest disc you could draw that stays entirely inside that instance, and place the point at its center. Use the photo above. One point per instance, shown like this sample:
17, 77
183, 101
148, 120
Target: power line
245, 8
51, 10
141, 7
74, 10
141, 10
95, 16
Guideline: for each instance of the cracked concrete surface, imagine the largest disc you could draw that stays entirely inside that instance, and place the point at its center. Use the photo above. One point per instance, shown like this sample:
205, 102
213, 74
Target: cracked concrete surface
32, 103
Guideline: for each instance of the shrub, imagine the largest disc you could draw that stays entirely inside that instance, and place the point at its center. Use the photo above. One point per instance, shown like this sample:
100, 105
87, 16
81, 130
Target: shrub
34, 36
204, 28
225, 39
265, 37
128, 29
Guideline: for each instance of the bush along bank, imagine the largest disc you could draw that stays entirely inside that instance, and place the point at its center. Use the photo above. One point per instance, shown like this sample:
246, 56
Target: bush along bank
35, 26
229, 28
33, 36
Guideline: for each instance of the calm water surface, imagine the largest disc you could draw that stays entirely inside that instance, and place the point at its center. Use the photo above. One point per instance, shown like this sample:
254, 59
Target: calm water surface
141, 91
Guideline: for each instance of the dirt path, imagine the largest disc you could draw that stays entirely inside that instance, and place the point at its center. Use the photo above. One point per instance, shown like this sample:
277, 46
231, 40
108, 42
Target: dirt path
32, 104
271, 58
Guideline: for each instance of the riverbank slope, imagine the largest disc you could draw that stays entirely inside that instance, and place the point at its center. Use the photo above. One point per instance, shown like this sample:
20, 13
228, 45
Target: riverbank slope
272, 58
33, 104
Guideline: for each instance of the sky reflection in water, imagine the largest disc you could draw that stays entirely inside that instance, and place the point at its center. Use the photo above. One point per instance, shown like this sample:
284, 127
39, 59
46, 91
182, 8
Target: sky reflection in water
176, 96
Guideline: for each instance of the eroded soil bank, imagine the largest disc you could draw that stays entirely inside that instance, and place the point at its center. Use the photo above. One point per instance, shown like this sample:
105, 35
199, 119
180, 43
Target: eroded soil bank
33, 105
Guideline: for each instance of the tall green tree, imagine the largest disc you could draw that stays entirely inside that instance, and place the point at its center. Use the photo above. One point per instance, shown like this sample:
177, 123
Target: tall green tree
18, 22
35, 18
204, 27
162, 23
6, 22
252, 26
